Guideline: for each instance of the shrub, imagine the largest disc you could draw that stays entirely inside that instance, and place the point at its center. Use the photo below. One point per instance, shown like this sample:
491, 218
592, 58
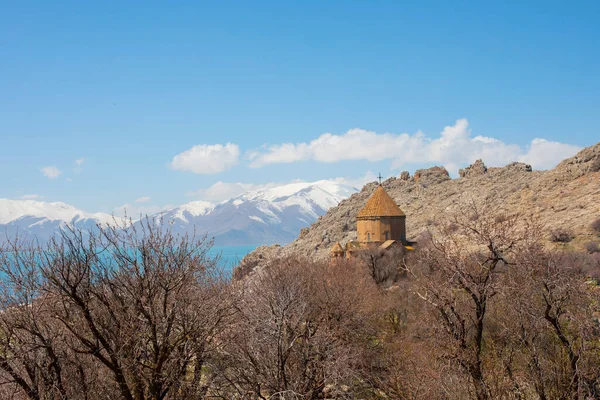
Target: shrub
500, 218
596, 226
561, 235
593, 247
451, 228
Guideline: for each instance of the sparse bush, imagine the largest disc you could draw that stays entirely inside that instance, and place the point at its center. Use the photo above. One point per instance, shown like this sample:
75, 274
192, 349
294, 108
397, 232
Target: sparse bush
424, 238
561, 235
500, 218
596, 226
593, 247
451, 227
383, 265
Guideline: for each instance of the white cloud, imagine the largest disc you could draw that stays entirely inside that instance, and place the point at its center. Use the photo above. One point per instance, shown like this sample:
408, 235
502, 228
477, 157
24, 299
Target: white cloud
356, 144
543, 154
357, 182
79, 161
452, 148
51, 172
207, 159
30, 196
144, 199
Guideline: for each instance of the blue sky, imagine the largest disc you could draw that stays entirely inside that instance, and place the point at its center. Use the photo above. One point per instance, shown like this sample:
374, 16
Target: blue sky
299, 90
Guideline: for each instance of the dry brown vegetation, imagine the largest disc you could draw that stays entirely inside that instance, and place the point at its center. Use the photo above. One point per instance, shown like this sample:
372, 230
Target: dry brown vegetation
593, 247
596, 226
480, 310
561, 235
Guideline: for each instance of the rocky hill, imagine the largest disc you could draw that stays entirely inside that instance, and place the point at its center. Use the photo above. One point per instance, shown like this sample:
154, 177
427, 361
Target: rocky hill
566, 197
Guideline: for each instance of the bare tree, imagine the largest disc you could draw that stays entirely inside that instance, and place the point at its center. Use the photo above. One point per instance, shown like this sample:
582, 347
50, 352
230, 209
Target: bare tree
139, 305
384, 265
518, 319
135, 312
298, 329
457, 275
35, 361
550, 310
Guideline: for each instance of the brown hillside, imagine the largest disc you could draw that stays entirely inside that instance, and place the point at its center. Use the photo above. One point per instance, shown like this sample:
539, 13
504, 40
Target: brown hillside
566, 197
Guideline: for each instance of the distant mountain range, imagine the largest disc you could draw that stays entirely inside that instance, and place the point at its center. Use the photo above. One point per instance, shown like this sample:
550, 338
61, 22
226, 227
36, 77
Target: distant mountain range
42, 220
263, 216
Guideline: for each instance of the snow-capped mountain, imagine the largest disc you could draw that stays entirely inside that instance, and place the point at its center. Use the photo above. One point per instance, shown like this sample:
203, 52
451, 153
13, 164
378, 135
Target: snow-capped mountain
41, 219
262, 216
188, 211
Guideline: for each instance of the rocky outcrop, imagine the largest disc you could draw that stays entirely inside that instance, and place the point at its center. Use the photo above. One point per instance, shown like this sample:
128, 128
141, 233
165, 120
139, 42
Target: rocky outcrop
303, 232
475, 169
567, 197
519, 166
585, 162
431, 176
261, 256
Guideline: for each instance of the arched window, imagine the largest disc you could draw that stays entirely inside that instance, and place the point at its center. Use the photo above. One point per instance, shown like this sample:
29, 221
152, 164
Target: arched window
386, 235
368, 236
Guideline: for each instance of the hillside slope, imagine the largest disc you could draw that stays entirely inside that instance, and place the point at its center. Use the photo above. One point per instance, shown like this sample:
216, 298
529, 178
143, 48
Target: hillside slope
567, 196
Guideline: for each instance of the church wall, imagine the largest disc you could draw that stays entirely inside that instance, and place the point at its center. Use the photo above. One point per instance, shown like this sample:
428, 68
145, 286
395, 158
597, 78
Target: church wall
370, 230
398, 228
377, 227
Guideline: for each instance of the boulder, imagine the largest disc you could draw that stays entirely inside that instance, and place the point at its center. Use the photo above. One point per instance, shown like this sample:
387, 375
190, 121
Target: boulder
475, 169
303, 232
518, 166
431, 176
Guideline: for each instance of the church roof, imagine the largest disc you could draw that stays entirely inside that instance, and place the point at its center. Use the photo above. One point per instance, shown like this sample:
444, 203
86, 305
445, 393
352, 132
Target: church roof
380, 204
337, 248
387, 244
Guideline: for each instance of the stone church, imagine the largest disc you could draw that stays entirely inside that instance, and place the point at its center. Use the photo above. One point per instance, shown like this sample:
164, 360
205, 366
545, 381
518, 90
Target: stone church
380, 223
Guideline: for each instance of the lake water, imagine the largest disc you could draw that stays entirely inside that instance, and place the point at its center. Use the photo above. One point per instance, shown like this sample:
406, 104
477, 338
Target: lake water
231, 255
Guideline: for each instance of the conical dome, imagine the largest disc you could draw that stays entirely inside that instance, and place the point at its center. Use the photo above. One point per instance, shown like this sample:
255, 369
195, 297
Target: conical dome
380, 204
337, 248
